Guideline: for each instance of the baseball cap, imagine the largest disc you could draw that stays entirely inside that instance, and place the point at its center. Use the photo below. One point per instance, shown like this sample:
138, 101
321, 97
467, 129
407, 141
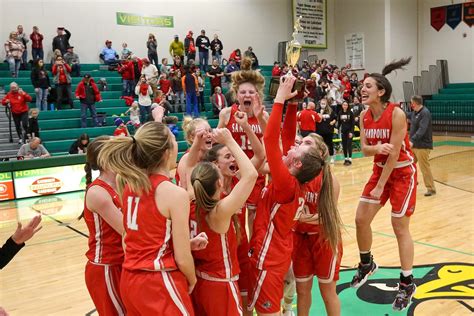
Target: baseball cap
176, 36
108, 41
118, 121
87, 75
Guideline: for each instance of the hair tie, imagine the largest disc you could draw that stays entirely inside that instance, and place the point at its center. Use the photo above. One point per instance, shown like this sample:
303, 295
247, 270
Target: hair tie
133, 139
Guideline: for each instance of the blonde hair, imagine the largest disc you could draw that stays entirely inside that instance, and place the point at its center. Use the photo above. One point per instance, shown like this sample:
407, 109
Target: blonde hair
189, 127
327, 204
247, 75
134, 158
204, 181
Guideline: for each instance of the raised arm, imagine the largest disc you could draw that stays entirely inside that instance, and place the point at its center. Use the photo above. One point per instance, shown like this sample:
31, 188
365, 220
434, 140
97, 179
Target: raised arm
260, 113
224, 117
288, 133
257, 147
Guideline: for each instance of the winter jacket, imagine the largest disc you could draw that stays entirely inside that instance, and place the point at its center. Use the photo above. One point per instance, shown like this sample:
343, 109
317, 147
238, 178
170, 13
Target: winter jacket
40, 78
14, 49
18, 101
81, 90
127, 71
67, 73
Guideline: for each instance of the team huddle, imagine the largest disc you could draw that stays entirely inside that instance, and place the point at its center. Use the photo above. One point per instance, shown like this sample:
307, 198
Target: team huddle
253, 215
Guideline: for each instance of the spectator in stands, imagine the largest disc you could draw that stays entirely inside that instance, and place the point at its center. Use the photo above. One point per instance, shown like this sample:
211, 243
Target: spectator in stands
276, 70
231, 67
151, 74
36, 44
18, 100
201, 86
121, 129
177, 87
61, 41
33, 149
152, 46
304, 73
137, 68
17, 241
421, 140
325, 128
311, 88
33, 126
144, 90
307, 119
177, 48
62, 80
190, 47
23, 38
216, 48
14, 51
72, 59
165, 86
126, 53
346, 88
250, 54
356, 108
57, 53
354, 83
215, 74
88, 94
191, 90
345, 123
322, 89
125, 68
164, 68
203, 43
177, 65
218, 101
109, 55
80, 145
40, 81
236, 56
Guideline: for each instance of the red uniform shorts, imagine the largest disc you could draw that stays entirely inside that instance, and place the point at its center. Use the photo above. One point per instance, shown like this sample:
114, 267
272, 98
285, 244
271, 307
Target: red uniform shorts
215, 298
244, 264
103, 284
155, 293
256, 194
313, 257
266, 288
400, 189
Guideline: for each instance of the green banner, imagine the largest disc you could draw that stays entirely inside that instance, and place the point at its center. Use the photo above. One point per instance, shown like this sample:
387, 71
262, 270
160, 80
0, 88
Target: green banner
144, 20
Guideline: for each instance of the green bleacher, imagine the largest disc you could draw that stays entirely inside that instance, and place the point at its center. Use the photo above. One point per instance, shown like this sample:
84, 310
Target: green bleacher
60, 128
453, 103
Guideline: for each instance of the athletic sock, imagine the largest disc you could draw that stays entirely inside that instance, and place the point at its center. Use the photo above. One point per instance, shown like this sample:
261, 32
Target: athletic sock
365, 257
406, 279
287, 307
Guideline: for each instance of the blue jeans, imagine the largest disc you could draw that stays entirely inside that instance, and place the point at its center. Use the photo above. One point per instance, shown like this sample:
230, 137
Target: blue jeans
24, 57
192, 104
14, 66
145, 112
42, 99
75, 70
127, 87
218, 56
93, 111
37, 53
203, 60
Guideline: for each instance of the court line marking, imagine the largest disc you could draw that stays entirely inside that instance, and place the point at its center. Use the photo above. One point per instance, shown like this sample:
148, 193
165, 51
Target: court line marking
444, 183
51, 241
419, 242
63, 224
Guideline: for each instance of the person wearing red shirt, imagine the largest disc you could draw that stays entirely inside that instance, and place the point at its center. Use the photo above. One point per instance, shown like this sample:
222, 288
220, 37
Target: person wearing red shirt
307, 120
347, 87
121, 129
276, 70
103, 216
280, 205
125, 68
18, 100
36, 44
62, 80
88, 94
158, 271
236, 55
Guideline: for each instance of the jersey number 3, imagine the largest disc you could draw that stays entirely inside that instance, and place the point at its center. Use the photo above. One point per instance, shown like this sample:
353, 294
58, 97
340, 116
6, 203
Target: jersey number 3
132, 212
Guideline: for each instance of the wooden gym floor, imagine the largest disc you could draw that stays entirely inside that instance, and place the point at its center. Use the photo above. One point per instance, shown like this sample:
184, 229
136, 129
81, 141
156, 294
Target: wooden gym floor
47, 276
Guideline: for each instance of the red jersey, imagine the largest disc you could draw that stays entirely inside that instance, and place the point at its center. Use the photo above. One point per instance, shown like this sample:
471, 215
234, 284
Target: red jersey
165, 85
121, 131
312, 190
105, 244
308, 120
380, 132
148, 243
238, 133
219, 258
242, 213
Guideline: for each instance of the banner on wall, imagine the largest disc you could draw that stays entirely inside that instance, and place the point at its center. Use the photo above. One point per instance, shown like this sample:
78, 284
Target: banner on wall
354, 44
7, 192
132, 19
438, 17
468, 13
314, 22
46, 181
454, 15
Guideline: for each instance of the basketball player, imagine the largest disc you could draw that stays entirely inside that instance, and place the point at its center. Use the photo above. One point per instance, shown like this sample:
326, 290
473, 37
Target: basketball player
248, 87
384, 136
103, 216
281, 202
158, 270
217, 267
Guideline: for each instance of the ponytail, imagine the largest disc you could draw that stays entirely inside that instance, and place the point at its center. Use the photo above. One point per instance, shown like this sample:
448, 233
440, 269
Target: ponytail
382, 81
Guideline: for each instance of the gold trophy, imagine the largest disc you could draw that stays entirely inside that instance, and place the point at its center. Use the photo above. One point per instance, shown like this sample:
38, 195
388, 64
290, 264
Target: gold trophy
293, 52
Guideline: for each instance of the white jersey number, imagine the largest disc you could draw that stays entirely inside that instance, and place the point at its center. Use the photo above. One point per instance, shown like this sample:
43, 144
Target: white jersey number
193, 227
132, 202
301, 208
245, 143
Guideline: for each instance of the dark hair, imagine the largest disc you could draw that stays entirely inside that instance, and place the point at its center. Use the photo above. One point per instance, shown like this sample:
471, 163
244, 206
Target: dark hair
81, 138
311, 165
417, 99
92, 155
382, 82
213, 153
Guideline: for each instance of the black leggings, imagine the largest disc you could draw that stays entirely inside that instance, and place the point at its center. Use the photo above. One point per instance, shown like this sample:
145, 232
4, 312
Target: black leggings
328, 141
347, 145
21, 120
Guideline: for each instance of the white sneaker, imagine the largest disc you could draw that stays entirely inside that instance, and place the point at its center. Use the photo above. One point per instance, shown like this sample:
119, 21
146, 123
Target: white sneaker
289, 313
20, 142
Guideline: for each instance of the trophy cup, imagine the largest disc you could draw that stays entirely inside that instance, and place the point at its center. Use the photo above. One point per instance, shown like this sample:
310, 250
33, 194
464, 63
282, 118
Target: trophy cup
293, 51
